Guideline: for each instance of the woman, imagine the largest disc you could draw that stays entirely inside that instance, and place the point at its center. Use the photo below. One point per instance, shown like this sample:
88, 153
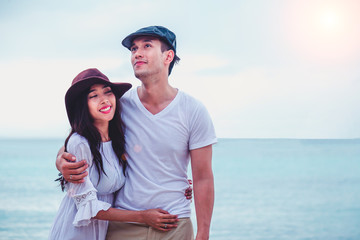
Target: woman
93, 109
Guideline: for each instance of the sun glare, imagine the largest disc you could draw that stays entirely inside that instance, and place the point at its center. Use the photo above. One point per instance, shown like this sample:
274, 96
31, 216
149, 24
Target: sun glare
329, 20
325, 32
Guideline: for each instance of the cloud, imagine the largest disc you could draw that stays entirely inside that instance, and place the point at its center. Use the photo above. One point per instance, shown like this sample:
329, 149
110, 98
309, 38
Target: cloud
274, 102
248, 64
34, 90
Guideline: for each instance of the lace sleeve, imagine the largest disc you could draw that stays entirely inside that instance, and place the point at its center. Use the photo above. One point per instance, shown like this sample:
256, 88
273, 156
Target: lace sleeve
84, 194
80, 200
87, 206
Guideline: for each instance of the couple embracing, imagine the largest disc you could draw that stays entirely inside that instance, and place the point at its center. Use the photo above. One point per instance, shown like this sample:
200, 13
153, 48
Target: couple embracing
124, 164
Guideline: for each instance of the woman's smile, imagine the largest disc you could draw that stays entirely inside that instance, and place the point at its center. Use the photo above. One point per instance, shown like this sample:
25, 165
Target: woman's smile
106, 109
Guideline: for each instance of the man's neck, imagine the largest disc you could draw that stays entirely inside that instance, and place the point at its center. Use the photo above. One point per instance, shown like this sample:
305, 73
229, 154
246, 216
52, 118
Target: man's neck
157, 95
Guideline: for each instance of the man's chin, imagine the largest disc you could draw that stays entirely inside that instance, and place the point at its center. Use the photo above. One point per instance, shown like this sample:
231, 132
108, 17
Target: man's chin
140, 74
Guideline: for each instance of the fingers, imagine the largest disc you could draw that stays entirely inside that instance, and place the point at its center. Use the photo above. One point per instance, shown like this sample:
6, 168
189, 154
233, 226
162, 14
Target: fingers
166, 215
79, 178
189, 190
160, 219
188, 193
169, 217
165, 227
78, 167
162, 211
74, 168
75, 172
170, 220
68, 157
170, 226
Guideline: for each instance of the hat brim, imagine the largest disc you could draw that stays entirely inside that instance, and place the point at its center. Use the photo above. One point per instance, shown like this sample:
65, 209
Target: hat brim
128, 41
78, 88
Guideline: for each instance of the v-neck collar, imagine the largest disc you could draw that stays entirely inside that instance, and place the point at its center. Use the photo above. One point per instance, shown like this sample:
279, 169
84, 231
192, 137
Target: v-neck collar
159, 114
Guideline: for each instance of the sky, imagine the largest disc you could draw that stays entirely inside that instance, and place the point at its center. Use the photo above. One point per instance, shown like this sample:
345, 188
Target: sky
263, 68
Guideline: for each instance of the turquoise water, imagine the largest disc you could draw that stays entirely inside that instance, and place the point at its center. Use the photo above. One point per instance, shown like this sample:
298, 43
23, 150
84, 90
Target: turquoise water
265, 189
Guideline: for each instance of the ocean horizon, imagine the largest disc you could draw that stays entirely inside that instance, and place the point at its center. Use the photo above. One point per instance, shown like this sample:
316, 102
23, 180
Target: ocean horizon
269, 188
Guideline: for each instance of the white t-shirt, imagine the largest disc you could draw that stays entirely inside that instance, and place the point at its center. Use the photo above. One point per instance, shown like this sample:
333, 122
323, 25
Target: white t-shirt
158, 148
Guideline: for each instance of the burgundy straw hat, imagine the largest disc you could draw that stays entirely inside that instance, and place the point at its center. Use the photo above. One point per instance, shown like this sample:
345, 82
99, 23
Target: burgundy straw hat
84, 80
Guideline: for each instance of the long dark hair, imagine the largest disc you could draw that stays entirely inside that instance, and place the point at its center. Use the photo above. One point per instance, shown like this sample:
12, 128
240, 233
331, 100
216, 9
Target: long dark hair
82, 123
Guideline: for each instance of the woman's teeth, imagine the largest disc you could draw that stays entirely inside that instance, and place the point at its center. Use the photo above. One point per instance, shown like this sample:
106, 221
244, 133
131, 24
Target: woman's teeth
105, 109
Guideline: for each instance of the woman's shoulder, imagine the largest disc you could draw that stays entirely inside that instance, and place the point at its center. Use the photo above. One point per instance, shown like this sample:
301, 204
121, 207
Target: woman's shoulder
77, 140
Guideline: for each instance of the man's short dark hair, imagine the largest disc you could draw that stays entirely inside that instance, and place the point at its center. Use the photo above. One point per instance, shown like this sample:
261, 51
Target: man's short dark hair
166, 47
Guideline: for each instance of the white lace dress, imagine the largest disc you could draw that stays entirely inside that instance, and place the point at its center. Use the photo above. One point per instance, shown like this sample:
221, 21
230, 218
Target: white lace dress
83, 201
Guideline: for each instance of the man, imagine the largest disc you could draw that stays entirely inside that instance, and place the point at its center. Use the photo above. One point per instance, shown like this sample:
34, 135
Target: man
164, 129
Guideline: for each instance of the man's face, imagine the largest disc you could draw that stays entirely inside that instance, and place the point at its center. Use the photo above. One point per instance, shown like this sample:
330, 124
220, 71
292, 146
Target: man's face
146, 57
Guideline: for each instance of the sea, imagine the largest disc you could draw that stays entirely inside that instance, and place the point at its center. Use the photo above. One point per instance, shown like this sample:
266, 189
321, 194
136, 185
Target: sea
268, 189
